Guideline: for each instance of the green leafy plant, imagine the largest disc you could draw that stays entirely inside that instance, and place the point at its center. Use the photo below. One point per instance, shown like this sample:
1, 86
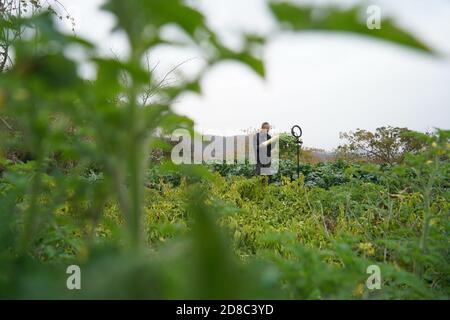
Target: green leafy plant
78, 192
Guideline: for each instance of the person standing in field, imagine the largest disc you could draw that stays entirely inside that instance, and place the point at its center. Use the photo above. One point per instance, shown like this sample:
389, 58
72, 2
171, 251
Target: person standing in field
263, 150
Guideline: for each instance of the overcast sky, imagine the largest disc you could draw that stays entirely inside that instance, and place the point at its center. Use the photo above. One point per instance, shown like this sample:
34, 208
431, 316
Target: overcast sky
325, 82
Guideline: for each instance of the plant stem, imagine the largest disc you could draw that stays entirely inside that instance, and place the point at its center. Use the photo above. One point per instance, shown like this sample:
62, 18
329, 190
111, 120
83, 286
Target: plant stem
427, 210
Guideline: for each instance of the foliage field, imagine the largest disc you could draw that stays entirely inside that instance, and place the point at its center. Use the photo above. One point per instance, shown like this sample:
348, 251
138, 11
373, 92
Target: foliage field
77, 185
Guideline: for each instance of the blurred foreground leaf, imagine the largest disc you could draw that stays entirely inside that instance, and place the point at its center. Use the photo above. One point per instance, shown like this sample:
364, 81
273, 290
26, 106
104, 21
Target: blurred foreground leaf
353, 20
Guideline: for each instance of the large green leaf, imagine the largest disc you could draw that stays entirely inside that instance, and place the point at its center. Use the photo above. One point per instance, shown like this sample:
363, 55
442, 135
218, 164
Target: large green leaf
142, 19
352, 20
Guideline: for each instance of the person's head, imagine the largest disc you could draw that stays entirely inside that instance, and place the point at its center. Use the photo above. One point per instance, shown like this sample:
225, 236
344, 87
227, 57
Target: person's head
265, 127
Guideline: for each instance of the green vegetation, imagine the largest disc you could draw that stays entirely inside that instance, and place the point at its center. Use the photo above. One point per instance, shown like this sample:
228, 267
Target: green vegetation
77, 185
